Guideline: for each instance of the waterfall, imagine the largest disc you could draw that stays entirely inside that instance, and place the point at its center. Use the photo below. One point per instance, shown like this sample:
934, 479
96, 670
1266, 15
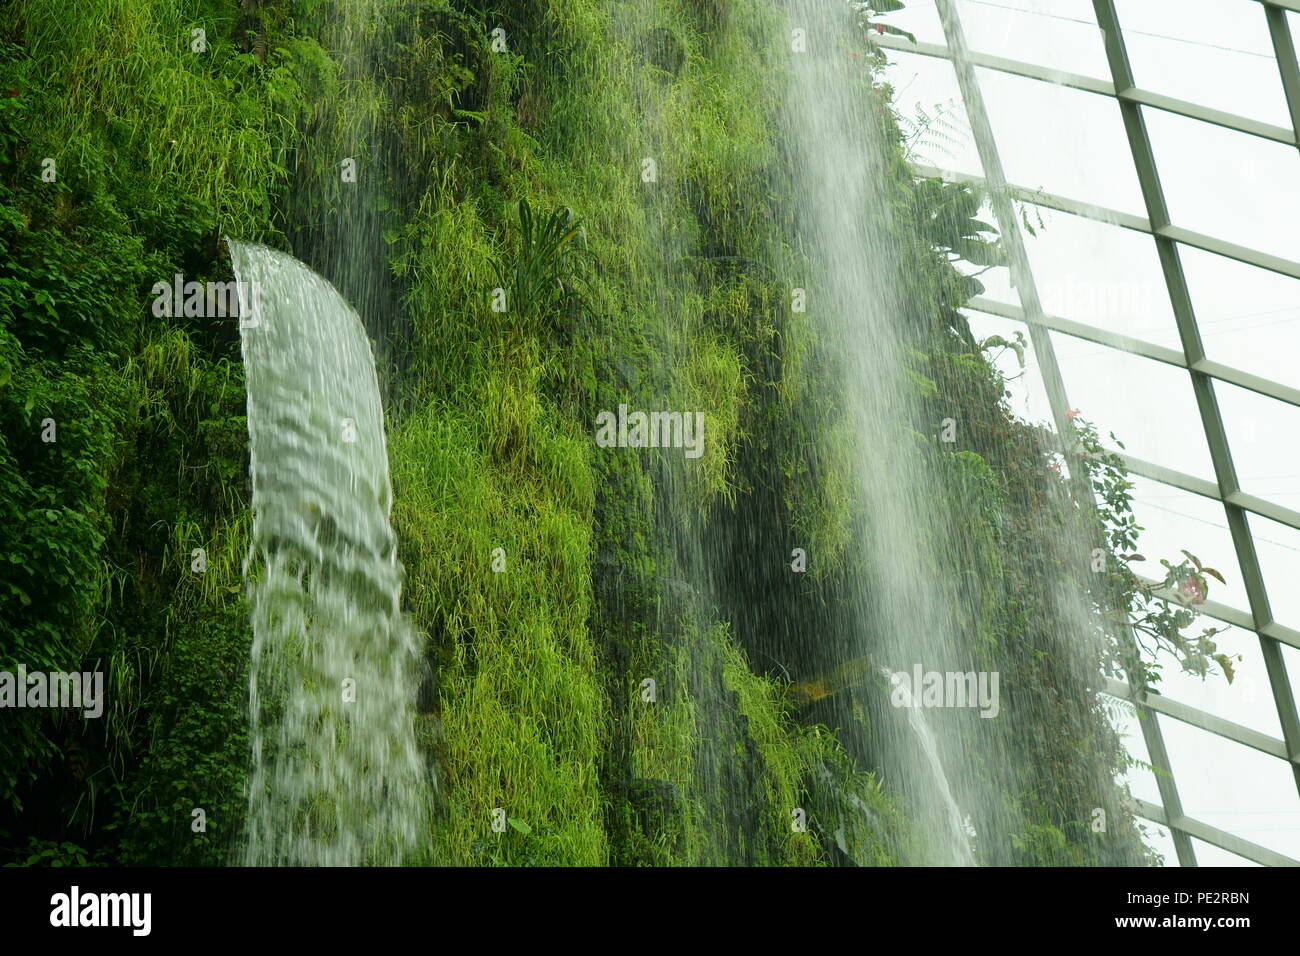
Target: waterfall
337, 777
961, 852
907, 607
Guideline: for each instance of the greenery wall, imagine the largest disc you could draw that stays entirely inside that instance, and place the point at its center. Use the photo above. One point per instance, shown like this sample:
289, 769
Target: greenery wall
673, 295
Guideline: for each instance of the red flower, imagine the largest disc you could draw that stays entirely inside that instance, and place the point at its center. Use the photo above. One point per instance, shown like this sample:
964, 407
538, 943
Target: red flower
880, 28
1192, 590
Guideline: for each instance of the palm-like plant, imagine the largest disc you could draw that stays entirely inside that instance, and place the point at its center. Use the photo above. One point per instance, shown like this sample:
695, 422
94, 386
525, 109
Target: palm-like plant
543, 277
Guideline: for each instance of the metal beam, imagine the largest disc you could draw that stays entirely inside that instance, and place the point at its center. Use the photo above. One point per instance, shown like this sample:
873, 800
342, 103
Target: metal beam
1281, 634
1231, 250
1292, 5
1199, 718
1246, 380
1082, 330
1116, 217
1242, 124
1032, 71
1158, 353
1178, 823
1237, 500
1202, 385
1279, 31
1088, 84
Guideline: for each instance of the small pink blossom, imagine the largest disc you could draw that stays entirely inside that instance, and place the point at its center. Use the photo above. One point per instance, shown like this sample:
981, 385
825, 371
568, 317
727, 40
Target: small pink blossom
1070, 413
1193, 591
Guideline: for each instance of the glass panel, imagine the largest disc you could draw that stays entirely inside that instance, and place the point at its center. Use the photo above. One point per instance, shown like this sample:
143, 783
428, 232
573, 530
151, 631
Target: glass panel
1100, 274
1062, 34
1207, 854
931, 113
1232, 787
1248, 700
1174, 520
1249, 317
1278, 548
1206, 51
1062, 141
1261, 433
1228, 184
1147, 404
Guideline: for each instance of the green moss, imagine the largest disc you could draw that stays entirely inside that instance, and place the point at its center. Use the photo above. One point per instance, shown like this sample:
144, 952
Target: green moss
519, 702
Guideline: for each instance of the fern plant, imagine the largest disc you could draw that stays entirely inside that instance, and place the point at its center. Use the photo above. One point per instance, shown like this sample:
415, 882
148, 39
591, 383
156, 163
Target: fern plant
929, 131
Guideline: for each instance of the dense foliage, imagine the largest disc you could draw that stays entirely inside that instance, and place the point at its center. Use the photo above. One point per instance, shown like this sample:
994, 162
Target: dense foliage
482, 169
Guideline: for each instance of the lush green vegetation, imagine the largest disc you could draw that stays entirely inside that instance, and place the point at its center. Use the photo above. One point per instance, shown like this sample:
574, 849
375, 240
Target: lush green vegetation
521, 170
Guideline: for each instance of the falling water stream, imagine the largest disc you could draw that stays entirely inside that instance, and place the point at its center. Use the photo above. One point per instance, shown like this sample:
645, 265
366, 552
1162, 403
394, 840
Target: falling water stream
957, 828
337, 776
839, 163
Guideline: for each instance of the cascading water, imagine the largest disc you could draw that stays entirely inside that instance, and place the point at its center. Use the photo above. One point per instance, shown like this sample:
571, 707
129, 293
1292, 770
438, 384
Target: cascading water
957, 828
919, 597
908, 610
337, 776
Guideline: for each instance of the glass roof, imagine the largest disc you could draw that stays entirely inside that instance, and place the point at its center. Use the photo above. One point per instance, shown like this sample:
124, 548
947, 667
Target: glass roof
1152, 146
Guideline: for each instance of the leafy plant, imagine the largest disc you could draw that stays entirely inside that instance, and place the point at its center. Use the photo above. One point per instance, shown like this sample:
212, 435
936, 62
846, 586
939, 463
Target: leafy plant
525, 846
1157, 612
948, 216
869, 11
928, 130
543, 278
52, 853
1016, 344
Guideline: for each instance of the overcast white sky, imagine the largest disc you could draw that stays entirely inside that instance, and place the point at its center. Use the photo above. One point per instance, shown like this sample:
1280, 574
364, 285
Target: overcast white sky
1227, 184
